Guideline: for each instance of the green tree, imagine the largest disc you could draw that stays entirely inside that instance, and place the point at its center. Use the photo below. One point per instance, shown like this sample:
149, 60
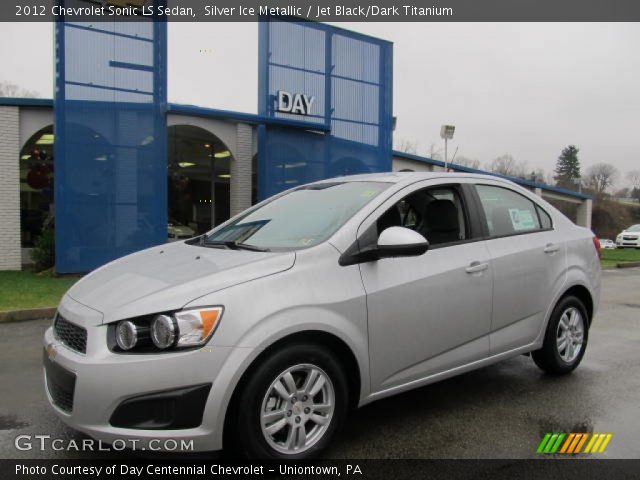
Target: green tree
567, 167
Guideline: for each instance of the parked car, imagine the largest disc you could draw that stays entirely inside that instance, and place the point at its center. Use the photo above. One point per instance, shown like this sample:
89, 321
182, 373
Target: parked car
629, 237
178, 231
607, 244
260, 335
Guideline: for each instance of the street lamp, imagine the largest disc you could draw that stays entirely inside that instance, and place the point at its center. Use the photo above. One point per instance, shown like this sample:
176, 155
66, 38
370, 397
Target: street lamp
446, 132
578, 181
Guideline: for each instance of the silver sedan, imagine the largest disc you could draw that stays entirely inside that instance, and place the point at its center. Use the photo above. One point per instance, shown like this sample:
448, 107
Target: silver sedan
260, 335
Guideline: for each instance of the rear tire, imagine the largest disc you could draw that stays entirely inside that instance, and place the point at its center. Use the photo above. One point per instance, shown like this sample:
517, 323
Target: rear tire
565, 341
291, 406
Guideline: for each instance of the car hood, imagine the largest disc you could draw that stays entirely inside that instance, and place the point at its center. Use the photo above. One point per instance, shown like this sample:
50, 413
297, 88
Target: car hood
631, 234
170, 276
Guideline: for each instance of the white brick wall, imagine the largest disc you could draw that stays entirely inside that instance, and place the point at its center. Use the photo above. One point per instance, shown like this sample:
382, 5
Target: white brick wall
10, 254
241, 170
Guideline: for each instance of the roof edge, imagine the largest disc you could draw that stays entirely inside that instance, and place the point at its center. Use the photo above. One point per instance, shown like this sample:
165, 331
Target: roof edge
519, 181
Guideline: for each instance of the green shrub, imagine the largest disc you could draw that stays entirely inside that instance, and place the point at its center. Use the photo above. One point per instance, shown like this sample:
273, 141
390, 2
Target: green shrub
44, 252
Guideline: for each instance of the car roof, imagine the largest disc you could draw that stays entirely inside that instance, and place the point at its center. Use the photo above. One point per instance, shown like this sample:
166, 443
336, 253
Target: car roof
410, 177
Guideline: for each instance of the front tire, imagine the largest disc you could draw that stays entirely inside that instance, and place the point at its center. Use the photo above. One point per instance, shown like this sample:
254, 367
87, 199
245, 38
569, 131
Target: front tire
566, 338
292, 404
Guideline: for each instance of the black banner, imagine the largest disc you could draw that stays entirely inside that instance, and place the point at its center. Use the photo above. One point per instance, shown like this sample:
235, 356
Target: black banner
323, 11
131, 469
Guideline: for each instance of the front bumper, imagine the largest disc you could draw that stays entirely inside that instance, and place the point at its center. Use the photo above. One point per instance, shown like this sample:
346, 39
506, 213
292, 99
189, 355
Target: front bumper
103, 380
628, 242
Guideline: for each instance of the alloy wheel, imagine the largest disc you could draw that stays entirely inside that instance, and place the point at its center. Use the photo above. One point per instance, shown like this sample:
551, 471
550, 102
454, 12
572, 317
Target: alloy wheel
297, 409
570, 334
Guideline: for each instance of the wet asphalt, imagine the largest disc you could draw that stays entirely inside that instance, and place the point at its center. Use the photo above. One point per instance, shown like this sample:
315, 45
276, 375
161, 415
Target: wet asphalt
501, 411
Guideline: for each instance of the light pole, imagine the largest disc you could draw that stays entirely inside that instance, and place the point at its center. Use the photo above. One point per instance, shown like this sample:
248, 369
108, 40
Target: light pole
578, 181
446, 132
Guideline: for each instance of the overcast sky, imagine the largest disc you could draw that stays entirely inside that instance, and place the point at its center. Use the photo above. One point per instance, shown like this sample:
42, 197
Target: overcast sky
509, 88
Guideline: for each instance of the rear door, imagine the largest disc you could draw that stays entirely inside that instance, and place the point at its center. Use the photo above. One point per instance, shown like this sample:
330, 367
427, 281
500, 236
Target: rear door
528, 263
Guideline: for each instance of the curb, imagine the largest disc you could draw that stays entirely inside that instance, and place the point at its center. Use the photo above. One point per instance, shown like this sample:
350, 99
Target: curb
628, 265
24, 315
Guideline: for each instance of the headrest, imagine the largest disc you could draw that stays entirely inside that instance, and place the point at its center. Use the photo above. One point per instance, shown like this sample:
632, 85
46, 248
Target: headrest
442, 216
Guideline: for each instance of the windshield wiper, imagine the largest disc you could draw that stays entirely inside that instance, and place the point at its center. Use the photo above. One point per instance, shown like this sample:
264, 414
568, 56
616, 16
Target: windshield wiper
232, 245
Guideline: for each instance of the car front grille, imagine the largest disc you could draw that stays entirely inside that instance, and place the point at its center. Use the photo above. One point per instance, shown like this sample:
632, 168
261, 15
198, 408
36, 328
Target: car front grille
633, 239
71, 335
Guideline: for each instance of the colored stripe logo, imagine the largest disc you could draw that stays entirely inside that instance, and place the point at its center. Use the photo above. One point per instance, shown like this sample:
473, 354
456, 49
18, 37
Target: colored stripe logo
574, 443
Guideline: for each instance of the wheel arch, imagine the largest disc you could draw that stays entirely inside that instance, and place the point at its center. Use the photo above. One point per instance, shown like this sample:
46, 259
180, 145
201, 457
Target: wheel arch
335, 344
583, 294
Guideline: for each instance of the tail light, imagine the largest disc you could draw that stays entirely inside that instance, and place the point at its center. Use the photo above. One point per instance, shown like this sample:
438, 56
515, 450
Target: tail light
596, 244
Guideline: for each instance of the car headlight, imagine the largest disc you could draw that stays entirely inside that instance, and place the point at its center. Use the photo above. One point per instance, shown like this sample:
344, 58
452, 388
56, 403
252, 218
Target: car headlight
182, 329
195, 327
163, 331
126, 335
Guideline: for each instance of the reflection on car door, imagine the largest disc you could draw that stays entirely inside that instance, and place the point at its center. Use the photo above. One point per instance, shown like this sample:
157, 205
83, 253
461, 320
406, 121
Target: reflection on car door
529, 264
427, 314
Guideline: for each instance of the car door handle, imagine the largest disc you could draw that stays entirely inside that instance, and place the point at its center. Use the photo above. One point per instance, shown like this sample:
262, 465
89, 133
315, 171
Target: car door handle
551, 248
476, 267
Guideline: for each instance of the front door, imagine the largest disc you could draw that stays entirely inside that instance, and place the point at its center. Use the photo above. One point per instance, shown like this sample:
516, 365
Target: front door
431, 313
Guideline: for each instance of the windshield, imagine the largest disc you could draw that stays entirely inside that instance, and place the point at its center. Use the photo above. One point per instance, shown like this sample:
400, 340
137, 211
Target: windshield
302, 218
634, 228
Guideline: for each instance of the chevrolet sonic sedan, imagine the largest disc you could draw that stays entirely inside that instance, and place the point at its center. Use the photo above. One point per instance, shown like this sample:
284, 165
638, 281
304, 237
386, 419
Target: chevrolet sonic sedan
261, 334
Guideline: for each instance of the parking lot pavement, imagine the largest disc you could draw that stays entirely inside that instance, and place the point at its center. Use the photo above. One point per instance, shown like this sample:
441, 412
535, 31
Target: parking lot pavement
501, 411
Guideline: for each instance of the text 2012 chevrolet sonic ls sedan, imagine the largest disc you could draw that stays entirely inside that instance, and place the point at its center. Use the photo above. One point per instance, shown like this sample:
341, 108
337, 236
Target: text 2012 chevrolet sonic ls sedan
263, 332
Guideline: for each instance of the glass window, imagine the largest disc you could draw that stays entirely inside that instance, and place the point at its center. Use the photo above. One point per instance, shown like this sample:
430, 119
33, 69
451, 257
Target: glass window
507, 212
302, 218
545, 219
436, 213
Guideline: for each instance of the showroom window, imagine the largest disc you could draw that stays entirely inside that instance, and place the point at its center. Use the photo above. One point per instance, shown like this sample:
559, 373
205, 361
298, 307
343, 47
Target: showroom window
507, 212
36, 186
199, 174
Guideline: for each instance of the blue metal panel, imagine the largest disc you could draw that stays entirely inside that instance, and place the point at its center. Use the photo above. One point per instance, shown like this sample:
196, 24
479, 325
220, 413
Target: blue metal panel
349, 76
110, 149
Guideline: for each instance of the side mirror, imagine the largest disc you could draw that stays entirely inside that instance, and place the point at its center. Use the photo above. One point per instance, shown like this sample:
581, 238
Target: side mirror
401, 242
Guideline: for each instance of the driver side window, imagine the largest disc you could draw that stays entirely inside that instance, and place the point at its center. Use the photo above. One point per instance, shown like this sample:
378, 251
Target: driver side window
437, 213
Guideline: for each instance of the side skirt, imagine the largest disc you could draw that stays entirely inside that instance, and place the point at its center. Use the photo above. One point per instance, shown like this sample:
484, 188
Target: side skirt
447, 374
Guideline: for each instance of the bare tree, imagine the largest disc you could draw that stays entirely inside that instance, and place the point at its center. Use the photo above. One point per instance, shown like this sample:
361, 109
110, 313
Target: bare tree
634, 179
507, 165
537, 175
623, 192
11, 90
407, 146
600, 177
467, 162
435, 153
